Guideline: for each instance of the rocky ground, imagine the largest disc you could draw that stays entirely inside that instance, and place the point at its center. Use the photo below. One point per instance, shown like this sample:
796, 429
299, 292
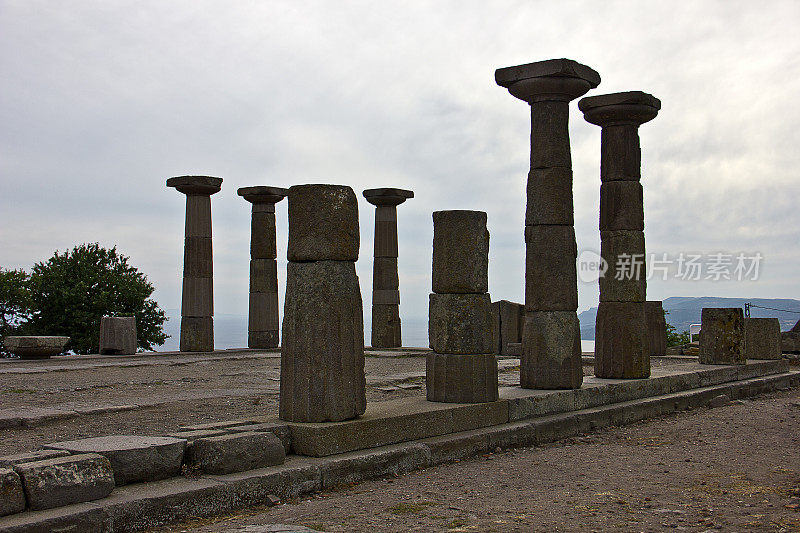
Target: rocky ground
732, 468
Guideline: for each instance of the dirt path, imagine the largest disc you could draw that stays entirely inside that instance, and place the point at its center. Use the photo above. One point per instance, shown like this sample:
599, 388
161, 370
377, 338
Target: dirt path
733, 468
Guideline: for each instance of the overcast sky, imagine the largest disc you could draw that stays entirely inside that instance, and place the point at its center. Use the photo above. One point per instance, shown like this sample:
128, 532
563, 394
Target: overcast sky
101, 102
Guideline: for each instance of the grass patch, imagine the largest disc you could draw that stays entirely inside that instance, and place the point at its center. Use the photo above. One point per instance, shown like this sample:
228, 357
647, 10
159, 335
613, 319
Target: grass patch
406, 508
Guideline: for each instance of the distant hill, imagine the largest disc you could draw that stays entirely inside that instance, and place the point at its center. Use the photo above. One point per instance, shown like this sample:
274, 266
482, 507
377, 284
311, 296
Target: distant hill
684, 311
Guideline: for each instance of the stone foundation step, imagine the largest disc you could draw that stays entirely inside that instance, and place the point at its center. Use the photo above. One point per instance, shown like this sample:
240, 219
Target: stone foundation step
147, 505
406, 419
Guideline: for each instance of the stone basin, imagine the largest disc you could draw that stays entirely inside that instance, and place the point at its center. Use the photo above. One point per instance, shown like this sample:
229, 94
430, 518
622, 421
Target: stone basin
35, 347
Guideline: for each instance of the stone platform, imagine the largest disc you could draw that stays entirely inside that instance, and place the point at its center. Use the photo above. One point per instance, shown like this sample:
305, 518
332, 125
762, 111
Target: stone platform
407, 419
532, 418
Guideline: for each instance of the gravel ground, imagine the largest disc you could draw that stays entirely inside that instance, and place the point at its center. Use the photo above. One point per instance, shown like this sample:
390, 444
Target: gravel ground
733, 468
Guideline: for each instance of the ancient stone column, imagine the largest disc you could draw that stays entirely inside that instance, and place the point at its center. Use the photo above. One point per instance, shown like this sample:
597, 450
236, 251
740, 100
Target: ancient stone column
462, 367
622, 347
551, 344
656, 327
262, 323
722, 336
385, 281
197, 305
322, 353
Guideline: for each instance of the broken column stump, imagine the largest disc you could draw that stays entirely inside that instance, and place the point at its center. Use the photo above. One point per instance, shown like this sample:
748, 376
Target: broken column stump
386, 332
117, 335
656, 327
197, 302
722, 336
322, 353
550, 359
462, 367
622, 344
509, 318
762, 338
262, 321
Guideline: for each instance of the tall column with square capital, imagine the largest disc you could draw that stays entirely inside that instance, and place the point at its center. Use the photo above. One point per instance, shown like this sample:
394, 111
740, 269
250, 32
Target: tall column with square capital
197, 305
622, 345
551, 347
262, 323
385, 280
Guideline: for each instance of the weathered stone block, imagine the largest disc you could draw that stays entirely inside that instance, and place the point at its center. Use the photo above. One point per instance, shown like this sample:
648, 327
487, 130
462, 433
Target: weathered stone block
66, 480
263, 339
626, 277
455, 378
322, 358
551, 351
460, 323
35, 346
386, 331
263, 315
722, 336
262, 235
550, 135
620, 154
197, 297
622, 349
790, 342
133, 458
656, 327
386, 297
323, 223
549, 197
264, 275
279, 430
235, 452
511, 318
460, 252
551, 277
12, 497
197, 257
621, 206
197, 334
198, 216
384, 273
762, 338
118, 335
385, 232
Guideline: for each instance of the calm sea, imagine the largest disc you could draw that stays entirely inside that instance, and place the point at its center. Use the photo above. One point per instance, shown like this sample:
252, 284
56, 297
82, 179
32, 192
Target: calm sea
230, 331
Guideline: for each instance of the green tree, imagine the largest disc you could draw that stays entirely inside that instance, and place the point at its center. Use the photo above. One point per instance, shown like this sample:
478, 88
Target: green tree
15, 303
673, 337
73, 290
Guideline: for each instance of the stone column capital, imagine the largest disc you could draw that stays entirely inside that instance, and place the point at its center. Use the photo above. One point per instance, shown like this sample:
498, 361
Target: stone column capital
201, 185
631, 108
551, 80
387, 196
262, 194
